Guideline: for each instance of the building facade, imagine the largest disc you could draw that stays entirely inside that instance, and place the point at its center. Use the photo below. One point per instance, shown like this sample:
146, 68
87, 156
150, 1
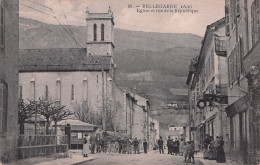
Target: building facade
243, 33
207, 82
9, 45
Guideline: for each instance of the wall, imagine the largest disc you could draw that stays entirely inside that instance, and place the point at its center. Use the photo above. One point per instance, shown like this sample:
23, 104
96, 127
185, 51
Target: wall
153, 134
9, 57
98, 47
138, 123
87, 87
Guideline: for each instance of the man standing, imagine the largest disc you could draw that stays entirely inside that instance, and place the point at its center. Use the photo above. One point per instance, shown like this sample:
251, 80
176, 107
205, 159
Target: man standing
177, 144
160, 143
145, 146
120, 145
169, 145
92, 143
136, 145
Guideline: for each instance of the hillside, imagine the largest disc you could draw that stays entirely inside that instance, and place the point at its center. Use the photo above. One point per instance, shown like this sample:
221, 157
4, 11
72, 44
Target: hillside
155, 63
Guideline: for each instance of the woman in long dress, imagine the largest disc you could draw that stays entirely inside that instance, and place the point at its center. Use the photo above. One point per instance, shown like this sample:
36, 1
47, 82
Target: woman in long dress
86, 150
221, 158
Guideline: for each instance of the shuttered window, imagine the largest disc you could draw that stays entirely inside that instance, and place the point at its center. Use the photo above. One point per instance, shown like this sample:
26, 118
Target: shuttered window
2, 29
238, 8
95, 32
227, 19
72, 93
3, 107
102, 32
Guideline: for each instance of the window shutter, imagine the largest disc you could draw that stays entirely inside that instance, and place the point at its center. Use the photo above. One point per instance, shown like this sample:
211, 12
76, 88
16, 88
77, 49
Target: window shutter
235, 63
227, 17
3, 107
229, 71
232, 67
238, 60
238, 8
2, 29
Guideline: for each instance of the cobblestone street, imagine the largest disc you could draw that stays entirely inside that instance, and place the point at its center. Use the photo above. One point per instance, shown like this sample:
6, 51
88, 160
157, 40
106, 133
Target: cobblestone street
152, 158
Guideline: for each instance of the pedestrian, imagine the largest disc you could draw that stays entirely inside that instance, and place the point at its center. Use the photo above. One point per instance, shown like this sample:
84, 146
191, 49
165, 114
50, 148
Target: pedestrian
206, 147
191, 152
181, 147
185, 151
136, 145
145, 146
85, 150
92, 143
120, 145
98, 145
169, 145
160, 143
212, 152
128, 146
105, 141
124, 145
116, 146
177, 144
221, 158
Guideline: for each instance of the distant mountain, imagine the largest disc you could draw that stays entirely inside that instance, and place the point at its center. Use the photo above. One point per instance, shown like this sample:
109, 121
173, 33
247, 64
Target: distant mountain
156, 64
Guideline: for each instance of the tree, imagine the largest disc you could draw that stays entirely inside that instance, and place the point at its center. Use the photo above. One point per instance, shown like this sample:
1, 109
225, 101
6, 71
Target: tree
52, 111
25, 111
111, 114
83, 113
61, 114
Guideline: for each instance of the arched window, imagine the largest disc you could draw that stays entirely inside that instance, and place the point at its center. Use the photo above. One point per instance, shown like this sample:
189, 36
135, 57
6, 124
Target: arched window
46, 92
102, 32
21, 91
95, 32
72, 92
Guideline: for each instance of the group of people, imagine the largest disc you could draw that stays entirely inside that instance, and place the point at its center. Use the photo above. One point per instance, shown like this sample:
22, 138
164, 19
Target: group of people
214, 149
96, 144
182, 148
93, 143
173, 146
126, 145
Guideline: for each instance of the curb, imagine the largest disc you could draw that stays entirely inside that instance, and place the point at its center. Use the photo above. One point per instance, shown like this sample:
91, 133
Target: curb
91, 159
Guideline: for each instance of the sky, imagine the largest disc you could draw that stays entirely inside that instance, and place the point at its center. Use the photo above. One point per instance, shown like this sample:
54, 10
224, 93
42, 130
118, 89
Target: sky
73, 12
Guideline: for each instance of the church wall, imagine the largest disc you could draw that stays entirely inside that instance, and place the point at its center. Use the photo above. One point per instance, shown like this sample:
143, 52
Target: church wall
100, 49
87, 87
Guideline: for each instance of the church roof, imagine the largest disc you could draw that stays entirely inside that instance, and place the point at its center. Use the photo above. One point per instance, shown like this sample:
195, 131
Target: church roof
64, 59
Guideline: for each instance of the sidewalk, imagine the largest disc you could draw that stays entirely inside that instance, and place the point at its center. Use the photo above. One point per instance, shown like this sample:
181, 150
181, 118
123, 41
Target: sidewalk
74, 157
199, 157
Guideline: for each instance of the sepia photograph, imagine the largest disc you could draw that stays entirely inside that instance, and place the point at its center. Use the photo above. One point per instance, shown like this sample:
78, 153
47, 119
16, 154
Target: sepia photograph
129, 82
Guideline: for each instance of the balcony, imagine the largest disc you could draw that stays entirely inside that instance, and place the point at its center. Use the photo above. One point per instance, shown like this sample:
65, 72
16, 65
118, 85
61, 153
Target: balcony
220, 45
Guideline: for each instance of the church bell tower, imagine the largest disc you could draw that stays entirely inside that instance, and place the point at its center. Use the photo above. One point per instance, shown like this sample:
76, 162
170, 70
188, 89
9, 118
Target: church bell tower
100, 33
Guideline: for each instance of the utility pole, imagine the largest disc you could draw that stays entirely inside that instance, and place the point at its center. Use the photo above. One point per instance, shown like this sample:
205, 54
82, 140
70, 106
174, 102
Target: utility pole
103, 99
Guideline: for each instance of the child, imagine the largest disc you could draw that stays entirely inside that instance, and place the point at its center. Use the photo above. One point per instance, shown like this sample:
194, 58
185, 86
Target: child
185, 151
191, 152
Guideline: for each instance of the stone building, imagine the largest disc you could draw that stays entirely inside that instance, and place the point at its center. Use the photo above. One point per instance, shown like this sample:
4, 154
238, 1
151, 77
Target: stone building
243, 53
207, 79
9, 45
154, 132
71, 76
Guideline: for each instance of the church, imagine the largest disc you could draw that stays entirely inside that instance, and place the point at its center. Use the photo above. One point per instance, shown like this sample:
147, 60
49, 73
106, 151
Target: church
71, 76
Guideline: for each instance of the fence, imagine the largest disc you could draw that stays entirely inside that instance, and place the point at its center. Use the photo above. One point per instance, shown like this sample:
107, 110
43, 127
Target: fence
40, 145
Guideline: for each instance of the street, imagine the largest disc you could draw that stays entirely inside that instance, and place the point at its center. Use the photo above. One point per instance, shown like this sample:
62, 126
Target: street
152, 158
